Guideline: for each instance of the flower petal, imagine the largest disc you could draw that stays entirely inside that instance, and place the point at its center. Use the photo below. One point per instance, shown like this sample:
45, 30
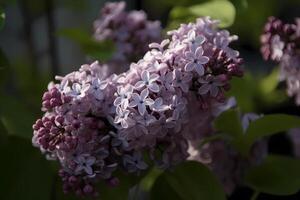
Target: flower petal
145, 75
199, 69
204, 89
141, 109
203, 60
154, 87
144, 94
139, 84
189, 66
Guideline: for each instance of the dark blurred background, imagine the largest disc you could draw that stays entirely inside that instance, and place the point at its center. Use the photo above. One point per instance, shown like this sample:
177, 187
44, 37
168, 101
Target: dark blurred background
34, 48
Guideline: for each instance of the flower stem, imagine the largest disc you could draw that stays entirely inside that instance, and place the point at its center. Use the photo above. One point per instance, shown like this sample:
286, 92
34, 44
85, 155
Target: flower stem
255, 195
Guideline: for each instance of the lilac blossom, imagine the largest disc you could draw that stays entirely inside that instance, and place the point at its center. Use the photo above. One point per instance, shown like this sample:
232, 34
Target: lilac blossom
141, 101
196, 61
280, 43
148, 81
95, 124
78, 129
130, 31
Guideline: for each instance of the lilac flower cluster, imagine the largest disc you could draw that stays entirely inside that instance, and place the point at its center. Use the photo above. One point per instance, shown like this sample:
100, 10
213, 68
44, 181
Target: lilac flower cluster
77, 130
196, 62
95, 124
281, 43
131, 33
225, 162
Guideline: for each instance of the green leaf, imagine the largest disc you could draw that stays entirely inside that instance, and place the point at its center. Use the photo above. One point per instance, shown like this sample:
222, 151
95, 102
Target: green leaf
277, 175
270, 82
2, 17
98, 50
16, 117
24, 172
222, 10
148, 181
121, 192
240, 4
229, 122
244, 90
256, 92
268, 125
190, 180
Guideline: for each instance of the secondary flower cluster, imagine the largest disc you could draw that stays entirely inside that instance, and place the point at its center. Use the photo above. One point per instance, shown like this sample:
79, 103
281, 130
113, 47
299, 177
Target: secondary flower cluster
131, 33
224, 161
95, 124
281, 43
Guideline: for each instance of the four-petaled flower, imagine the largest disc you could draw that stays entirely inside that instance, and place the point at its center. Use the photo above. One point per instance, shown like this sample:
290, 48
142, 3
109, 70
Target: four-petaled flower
166, 78
158, 105
124, 94
85, 162
134, 162
181, 80
159, 46
149, 81
194, 40
210, 84
77, 91
96, 88
177, 105
196, 60
141, 101
122, 117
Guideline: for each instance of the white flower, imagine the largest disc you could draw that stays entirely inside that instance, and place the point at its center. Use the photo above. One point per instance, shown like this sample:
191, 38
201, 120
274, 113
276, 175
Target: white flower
148, 81
124, 94
122, 117
84, 162
182, 80
196, 61
96, 88
141, 101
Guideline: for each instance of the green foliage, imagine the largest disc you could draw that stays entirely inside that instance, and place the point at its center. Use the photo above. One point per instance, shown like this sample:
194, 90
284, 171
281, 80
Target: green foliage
269, 125
190, 180
240, 4
222, 10
4, 63
229, 123
16, 117
120, 192
277, 175
98, 50
24, 173
256, 93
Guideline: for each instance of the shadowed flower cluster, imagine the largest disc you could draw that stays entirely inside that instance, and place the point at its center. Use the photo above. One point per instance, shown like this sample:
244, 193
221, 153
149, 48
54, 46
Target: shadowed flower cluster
95, 124
131, 33
225, 161
281, 43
